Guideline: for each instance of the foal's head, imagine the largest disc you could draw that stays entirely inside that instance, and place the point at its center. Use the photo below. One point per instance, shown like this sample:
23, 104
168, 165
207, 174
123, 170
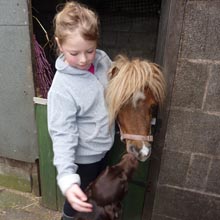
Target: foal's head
135, 88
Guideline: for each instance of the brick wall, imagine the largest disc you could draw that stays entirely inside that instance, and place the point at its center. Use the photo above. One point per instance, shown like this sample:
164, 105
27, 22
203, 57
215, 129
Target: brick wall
189, 179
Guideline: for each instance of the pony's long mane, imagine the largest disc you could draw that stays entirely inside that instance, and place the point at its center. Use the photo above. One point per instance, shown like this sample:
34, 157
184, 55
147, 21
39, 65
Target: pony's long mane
127, 77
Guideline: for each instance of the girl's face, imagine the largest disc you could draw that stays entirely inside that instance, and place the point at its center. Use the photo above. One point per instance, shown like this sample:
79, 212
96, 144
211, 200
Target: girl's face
78, 52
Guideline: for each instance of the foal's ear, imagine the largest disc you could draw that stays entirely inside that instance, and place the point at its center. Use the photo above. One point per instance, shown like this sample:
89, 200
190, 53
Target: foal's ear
112, 72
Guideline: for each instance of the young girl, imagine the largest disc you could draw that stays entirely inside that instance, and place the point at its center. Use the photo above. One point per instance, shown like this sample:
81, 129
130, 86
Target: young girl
77, 114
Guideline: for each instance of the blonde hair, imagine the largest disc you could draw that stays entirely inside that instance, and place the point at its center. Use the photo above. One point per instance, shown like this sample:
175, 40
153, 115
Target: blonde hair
127, 77
75, 16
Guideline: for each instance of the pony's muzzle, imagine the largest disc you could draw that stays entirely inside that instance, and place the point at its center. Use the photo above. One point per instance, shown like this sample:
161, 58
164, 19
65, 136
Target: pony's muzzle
145, 153
142, 154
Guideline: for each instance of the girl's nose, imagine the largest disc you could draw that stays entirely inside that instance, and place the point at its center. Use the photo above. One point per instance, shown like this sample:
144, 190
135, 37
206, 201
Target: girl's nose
83, 58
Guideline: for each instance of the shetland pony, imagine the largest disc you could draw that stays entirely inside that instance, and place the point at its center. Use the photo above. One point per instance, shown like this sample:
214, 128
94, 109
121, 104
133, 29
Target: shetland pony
135, 87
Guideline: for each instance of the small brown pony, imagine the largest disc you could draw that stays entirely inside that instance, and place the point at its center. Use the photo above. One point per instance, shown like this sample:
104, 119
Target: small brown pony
135, 87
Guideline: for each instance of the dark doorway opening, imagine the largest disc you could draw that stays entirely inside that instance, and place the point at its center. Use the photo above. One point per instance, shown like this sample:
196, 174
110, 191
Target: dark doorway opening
129, 27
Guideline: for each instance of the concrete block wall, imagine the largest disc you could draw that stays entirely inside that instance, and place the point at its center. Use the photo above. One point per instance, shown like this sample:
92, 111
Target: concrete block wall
19, 175
189, 179
18, 138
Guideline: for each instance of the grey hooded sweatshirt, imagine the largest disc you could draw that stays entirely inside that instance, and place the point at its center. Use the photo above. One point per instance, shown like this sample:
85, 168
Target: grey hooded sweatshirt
78, 118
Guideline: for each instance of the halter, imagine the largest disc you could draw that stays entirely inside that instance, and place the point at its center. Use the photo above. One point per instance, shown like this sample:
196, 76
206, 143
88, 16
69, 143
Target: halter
137, 137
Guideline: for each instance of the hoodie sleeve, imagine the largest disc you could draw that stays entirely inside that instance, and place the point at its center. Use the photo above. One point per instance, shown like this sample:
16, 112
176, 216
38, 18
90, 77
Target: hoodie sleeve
63, 130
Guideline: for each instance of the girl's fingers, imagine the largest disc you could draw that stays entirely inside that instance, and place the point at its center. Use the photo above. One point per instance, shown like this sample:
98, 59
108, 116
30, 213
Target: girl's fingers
77, 199
79, 193
81, 206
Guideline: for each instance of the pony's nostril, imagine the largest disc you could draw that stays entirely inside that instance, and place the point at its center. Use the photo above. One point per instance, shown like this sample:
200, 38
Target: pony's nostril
133, 150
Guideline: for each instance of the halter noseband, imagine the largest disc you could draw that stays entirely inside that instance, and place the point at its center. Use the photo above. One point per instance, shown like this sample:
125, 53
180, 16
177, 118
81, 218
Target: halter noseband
137, 137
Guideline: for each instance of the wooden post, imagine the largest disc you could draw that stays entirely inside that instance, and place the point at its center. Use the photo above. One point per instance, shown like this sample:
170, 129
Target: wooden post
47, 170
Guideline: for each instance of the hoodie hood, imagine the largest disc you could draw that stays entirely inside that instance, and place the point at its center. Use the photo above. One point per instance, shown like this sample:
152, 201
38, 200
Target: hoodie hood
65, 68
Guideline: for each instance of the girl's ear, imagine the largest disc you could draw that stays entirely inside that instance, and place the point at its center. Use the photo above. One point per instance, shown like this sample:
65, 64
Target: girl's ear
58, 44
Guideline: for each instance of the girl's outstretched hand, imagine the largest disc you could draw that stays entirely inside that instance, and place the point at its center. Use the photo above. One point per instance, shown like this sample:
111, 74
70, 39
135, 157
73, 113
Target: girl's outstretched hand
77, 199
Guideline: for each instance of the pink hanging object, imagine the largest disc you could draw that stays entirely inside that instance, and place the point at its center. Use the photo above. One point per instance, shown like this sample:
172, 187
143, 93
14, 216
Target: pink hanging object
44, 72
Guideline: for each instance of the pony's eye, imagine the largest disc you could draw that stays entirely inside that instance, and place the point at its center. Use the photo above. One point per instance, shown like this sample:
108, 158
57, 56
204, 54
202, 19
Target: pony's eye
154, 110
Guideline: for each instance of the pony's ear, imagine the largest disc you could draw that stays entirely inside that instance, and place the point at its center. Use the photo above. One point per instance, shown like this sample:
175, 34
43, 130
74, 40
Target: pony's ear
112, 72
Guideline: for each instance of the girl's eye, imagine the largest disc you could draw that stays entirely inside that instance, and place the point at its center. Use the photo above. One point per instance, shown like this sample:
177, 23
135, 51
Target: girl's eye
90, 51
73, 54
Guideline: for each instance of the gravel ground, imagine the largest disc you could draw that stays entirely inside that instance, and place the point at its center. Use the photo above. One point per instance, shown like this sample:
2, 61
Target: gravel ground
15, 205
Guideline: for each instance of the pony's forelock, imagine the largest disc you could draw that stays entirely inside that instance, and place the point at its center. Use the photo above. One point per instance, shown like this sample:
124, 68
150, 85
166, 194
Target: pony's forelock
130, 77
